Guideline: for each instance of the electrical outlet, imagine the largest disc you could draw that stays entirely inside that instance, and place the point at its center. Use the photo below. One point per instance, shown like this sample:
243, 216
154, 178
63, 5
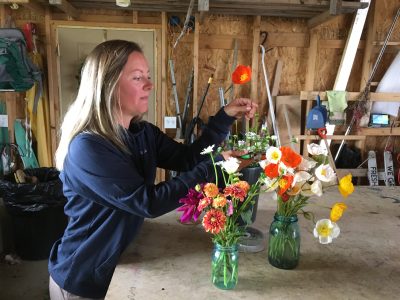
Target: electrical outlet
169, 122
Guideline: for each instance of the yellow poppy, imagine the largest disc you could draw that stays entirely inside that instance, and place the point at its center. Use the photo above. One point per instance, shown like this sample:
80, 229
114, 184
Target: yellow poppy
337, 211
346, 186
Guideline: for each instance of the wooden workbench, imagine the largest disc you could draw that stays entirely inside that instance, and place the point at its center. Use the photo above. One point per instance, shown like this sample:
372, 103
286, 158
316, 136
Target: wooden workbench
172, 261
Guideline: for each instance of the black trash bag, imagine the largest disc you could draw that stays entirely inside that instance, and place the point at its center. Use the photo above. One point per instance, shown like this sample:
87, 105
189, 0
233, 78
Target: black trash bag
36, 211
33, 196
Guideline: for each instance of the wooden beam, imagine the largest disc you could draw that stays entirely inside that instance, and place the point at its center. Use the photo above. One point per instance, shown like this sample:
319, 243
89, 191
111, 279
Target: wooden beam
203, 5
226, 41
135, 17
66, 7
352, 96
255, 58
35, 6
350, 50
369, 45
320, 19
335, 7
310, 75
331, 137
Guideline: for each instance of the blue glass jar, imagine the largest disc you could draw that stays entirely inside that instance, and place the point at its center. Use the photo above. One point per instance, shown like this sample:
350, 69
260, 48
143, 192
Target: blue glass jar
284, 242
224, 266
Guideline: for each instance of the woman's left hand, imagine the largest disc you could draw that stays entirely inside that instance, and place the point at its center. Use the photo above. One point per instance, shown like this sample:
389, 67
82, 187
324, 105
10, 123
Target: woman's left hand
241, 107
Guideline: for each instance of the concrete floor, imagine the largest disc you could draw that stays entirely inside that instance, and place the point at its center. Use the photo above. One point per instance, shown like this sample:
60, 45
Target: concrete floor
27, 280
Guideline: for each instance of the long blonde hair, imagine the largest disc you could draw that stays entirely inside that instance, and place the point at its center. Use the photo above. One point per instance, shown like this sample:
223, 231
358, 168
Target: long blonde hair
94, 109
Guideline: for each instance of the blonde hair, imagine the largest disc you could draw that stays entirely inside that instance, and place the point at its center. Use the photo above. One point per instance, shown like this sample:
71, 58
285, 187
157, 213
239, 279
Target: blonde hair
95, 107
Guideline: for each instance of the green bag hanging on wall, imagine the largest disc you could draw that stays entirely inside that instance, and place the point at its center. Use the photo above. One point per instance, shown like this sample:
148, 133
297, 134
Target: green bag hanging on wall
17, 72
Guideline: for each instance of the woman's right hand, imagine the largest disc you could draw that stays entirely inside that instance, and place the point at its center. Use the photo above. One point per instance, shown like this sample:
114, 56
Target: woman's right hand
237, 154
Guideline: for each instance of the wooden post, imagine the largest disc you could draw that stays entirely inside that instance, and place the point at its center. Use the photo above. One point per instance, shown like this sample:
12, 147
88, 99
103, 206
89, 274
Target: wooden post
310, 75
52, 83
196, 64
255, 62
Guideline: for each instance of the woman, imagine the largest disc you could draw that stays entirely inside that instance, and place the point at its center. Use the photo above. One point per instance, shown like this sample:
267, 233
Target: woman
108, 160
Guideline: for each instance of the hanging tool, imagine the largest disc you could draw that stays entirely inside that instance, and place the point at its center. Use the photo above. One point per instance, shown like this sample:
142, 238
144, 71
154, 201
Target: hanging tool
186, 106
360, 106
317, 116
175, 94
186, 26
196, 121
271, 106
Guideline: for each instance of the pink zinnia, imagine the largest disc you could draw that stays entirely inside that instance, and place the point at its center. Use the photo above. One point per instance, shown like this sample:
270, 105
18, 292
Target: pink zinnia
230, 208
206, 201
214, 221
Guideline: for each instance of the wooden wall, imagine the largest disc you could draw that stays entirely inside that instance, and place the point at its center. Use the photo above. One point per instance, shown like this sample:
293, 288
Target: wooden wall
309, 58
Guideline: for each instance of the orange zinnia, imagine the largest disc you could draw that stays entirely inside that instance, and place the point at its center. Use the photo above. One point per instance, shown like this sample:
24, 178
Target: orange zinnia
214, 221
272, 170
242, 74
219, 201
211, 190
290, 158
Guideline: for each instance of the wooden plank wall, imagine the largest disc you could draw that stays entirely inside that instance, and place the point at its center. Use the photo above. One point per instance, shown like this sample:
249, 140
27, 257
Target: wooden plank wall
211, 43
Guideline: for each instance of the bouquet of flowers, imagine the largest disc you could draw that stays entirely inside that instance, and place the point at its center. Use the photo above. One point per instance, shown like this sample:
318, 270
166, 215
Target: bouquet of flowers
221, 209
296, 179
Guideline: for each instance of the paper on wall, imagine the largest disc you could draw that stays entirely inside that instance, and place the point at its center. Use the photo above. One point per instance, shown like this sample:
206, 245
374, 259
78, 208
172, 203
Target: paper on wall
390, 83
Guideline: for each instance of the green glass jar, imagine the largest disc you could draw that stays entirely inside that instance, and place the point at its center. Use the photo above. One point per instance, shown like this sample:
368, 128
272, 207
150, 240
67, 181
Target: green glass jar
224, 266
284, 242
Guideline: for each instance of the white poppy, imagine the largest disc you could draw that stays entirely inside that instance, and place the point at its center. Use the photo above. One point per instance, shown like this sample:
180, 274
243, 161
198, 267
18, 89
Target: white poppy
273, 155
307, 164
325, 173
271, 184
207, 150
300, 176
306, 190
315, 149
231, 165
326, 231
316, 188
263, 163
284, 169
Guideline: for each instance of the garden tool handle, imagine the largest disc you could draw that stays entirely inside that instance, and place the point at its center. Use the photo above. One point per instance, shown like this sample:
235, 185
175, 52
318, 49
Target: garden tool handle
322, 134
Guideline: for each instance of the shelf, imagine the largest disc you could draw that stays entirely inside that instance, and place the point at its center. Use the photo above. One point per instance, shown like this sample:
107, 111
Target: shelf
386, 131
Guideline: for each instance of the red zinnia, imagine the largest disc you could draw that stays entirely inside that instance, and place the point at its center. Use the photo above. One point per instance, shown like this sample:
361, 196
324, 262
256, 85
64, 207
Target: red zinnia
214, 221
235, 192
290, 158
242, 74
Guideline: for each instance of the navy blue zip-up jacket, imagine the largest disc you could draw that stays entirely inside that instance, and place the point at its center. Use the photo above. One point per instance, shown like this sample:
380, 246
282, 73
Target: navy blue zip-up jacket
110, 193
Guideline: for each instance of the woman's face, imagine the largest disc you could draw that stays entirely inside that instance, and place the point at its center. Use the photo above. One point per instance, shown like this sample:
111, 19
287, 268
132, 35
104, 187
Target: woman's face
134, 87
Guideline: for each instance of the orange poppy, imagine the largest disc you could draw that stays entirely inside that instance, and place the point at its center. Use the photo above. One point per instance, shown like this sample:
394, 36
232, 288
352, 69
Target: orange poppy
284, 184
289, 157
242, 74
272, 170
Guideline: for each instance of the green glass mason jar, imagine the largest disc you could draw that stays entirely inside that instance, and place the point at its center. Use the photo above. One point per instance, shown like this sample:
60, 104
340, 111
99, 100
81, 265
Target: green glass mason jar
284, 242
224, 266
